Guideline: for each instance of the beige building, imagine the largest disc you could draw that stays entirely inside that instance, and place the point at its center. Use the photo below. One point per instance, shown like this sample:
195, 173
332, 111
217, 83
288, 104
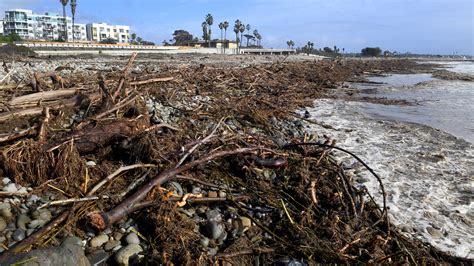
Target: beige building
97, 32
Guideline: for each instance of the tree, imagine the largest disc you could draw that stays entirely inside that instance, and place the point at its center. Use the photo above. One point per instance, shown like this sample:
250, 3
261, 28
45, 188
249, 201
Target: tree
139, 40
221, 27
182, 37
205, 32
226, 25
134, 37
237, 26
290, 44
73, 12
209, 21
248, 27
371, 51
242, 30
64, 4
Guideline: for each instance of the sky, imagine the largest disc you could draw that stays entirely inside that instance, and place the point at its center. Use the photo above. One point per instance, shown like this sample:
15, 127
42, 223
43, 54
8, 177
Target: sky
416, 26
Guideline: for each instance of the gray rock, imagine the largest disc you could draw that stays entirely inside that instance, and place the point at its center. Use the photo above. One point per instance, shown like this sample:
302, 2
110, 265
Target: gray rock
117, 248
117, 235
188, 212
3, 224
204, 241
111, 245
30, 231
91, 164
132, 238
5, 210
19, 234
10, 188
6, 181
196, 190
123, 256
176, 188
99, 257
434, 232
222, 194
35, 224
22, 220
44, 215
214, 216
98, 241
214, 230
68, 254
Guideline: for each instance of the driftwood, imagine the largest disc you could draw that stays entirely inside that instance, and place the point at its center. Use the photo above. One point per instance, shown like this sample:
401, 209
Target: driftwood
101, 135
148, 81
34, 98
124, 76
38, 84
71, 102
9, 137
100, 221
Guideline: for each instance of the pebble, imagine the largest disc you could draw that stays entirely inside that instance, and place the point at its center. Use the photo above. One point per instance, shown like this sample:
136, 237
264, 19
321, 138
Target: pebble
117, 235
111, 245
3, 224
6, 181
132, 238
214, 230
91, 163
204, 241
214, 215
30, 231
35, 224
19, 234
222, 194
123, 256
44, 215
99, 257
22, 220
212, 194
10, 188
196, 190
176, 188
246, 222
434, 232
98, 241
5, 210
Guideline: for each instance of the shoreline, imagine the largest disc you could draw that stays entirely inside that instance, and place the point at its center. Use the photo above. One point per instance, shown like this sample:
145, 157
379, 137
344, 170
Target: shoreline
287, 85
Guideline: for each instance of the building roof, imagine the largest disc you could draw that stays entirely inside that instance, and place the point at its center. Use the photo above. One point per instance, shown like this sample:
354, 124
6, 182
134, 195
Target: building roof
20, 10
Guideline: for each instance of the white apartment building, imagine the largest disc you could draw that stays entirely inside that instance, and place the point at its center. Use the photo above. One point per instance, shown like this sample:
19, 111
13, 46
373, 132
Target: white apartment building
47, 27
1, 27
97, 32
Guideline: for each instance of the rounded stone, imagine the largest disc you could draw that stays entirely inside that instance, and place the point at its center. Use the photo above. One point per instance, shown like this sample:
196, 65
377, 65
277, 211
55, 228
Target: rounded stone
214, 230
98, 241
176, 188
3, 224
10, 188
434, 232
5, 210
246, 222
19, 235
222, 194
123, 256
212, 194
204, 241
22, 220
111, 245
117, 235
35, 224
132, 238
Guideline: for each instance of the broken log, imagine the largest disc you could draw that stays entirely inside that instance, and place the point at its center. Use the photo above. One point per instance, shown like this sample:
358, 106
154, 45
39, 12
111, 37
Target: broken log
91, 138
34, 98
148, 81
101, 221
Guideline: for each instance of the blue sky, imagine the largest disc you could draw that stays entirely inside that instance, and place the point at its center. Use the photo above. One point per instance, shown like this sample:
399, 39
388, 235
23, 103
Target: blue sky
417, 26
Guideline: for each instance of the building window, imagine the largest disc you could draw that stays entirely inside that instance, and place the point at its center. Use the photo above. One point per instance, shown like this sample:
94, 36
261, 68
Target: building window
121, 30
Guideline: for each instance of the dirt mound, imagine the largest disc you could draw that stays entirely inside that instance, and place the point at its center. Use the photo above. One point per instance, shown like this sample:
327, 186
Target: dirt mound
11, 49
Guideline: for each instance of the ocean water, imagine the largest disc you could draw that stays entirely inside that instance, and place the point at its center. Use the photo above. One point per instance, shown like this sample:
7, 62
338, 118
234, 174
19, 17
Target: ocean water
423, 152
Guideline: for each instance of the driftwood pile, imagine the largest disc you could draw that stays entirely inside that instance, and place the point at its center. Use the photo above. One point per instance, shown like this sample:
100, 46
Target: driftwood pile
228, 128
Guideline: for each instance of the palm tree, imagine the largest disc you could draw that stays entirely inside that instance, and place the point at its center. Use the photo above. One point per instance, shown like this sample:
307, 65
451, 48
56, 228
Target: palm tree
205, 32
221, 27
209, 21
290, 44
64, 3
248, 33
242, 30
73, 12
237, 26
259, 38
226, 25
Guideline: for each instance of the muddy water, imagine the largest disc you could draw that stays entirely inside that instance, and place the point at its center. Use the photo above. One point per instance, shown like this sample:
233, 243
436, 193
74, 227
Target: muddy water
424, 152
